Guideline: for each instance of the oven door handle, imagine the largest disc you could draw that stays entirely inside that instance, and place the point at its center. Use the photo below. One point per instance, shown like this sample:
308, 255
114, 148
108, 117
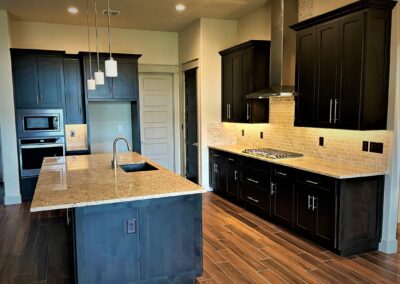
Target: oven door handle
37, 146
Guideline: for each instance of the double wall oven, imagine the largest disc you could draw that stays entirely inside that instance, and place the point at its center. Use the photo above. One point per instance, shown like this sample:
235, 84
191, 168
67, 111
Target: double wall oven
40, 134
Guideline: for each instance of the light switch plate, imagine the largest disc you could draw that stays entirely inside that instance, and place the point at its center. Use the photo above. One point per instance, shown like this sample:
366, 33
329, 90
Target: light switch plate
72, 133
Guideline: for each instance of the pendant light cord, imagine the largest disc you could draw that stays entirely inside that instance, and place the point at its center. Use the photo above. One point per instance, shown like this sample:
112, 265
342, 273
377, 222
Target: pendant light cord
109, 25
88, 30
97, 36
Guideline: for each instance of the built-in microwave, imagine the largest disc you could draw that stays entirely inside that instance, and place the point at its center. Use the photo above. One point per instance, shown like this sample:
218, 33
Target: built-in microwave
40, 123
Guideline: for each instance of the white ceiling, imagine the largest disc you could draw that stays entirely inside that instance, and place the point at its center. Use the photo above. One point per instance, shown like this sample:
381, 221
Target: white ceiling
157, 15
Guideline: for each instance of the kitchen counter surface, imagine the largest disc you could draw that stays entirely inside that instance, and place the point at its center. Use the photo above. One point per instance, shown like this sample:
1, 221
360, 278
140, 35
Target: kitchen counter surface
77, 181
309, 164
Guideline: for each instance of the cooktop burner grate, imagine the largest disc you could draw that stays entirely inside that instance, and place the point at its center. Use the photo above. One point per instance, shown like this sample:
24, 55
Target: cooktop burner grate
272, 153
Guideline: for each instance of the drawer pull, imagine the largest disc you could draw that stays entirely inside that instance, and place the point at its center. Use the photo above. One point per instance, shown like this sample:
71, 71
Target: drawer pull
273, 188
216, 156
253, 180
312, 182
231, 160
281, 174
236, 175
314, 206
252, 199
309, 202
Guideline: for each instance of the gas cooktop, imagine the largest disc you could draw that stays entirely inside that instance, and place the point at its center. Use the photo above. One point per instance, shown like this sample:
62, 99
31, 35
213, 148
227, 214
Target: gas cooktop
272, 153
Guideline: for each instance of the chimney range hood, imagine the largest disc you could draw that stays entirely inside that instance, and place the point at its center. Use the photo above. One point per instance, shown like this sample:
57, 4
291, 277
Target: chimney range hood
283, 51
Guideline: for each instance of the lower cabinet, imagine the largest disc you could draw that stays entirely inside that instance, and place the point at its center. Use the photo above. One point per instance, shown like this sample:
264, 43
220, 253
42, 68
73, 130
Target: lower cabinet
343, 215
27, 187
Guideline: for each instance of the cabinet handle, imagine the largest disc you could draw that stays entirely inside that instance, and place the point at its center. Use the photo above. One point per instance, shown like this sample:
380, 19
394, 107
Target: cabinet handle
68, 218
80, 110
248, 111
253, 180
335, 119
236, 175
252, 199
313, 203
272, 188
227, 111
231, 160
312, 182
216, 156
230, 114
330, 111
309, 202
41, 98
281, 174
216, 168
37, 99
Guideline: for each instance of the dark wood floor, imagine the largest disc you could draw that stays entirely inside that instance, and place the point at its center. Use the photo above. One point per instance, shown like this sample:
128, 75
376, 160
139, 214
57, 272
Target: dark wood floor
239, 247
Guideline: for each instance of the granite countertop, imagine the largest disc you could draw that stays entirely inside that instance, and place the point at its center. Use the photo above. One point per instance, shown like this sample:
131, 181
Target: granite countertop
309, 164
77, 181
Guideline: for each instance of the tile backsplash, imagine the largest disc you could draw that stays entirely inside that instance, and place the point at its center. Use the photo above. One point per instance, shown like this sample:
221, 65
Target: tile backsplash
340, 146
76, 137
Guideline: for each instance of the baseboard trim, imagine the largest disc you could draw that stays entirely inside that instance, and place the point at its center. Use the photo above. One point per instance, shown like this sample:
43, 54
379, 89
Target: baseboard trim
388, 246
10, 200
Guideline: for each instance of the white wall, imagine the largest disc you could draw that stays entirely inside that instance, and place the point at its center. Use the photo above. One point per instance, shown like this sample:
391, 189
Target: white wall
216, 35
108, 121
189, 42
7, 118
157, 47
255, 25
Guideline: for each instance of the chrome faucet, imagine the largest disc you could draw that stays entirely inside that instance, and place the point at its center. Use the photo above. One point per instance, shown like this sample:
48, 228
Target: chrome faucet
114, 161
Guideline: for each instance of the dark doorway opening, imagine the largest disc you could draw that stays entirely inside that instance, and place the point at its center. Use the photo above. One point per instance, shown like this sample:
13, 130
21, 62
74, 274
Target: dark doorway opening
192, 144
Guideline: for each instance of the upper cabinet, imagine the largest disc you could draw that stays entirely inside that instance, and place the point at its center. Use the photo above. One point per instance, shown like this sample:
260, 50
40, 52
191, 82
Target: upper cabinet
342, 68
38, 79
121, 88
245, 69
74, 100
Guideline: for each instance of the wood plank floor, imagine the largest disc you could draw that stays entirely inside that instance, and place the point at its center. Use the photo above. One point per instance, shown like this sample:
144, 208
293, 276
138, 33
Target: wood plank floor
239, 247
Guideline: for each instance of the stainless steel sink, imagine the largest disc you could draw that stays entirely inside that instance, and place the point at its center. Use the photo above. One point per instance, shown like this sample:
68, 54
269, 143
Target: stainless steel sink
139, 167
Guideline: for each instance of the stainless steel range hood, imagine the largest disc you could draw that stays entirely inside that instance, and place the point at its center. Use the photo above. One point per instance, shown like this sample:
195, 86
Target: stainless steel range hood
283, 50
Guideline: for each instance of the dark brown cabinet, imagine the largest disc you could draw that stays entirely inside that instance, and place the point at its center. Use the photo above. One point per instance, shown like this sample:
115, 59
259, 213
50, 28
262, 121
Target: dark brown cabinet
343, 215
245, 69
342, 67
125, 87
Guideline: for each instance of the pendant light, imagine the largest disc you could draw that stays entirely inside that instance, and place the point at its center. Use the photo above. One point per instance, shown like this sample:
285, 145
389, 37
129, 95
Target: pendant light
91, 83
111, 64
99, 75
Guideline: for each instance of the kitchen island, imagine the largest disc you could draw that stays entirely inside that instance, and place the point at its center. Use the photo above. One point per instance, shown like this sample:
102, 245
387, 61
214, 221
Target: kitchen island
138, 223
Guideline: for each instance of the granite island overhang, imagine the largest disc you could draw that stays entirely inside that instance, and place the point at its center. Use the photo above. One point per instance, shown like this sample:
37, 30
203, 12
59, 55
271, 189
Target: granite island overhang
127, 226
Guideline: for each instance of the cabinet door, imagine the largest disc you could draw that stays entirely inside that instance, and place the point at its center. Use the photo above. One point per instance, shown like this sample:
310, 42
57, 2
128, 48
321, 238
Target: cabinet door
73, 92
25, 78
125, 86
327, 36
282, 199
50, 81
247, 84
102, 92
232, 177
324, 205
226, 87
235, 111
304, 215
351, 50
305, 77
212, 174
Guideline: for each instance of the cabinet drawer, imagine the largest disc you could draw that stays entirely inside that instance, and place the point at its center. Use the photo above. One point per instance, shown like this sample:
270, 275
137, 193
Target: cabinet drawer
316, 180
254, 164
284, 172
253, 196
255, 178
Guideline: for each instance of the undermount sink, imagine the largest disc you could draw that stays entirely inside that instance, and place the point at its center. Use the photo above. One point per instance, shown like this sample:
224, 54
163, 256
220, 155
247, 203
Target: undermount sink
139, 167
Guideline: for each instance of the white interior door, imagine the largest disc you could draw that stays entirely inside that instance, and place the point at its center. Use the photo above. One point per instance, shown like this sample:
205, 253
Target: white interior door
156, 118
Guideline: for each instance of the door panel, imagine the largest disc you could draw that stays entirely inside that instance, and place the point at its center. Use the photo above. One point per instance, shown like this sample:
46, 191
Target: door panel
191, 125
305, 77
73, 92
237, 74
125, 85
325, 216
156, 118
50, 81
226, 86
326, 73
304, 216
232, 177
247, 86
351, 52
282, 200
25, 78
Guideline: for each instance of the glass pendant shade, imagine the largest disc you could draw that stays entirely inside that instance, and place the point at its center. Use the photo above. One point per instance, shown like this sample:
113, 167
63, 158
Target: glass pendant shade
91, 84
111, 68
99, 77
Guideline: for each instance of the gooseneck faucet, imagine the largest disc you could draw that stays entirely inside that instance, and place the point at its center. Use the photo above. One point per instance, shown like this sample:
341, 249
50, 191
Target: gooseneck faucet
114, 161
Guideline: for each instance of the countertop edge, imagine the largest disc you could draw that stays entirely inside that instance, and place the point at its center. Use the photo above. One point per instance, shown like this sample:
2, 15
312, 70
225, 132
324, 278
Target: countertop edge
219, 148
112, 201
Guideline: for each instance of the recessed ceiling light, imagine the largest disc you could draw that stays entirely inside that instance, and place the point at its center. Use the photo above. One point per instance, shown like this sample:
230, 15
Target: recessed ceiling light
180, 7
73, 10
